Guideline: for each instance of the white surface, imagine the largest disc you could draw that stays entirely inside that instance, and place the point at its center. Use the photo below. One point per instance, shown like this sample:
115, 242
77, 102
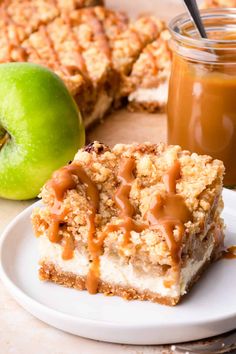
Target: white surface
209, 309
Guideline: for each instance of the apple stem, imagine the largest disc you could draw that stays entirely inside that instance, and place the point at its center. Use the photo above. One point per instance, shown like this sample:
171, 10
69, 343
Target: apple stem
4, 137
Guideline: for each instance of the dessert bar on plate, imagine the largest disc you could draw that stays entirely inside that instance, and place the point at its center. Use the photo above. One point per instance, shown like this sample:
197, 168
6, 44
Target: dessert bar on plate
139, 221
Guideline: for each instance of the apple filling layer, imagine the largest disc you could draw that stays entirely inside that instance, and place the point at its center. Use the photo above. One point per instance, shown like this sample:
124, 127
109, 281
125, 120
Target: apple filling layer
140, 221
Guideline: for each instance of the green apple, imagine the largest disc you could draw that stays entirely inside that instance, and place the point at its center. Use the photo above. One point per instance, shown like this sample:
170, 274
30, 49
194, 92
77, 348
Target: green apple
40, 128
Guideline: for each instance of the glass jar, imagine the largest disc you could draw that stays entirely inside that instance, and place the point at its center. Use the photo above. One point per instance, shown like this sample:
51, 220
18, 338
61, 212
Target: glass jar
202, 91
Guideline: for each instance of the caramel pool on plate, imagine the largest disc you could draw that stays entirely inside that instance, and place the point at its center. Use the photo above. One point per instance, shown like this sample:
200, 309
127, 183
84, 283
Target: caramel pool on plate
202, 91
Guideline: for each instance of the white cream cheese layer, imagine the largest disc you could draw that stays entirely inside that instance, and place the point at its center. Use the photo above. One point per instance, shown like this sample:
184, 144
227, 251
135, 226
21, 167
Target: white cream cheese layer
100, 108
115, 273
156, 94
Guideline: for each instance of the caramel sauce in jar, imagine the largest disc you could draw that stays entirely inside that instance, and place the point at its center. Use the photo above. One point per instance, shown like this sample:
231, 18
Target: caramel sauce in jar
202, 90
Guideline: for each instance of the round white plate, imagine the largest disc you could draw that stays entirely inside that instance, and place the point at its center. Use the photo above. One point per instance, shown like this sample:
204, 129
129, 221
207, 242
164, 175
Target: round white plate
208, 310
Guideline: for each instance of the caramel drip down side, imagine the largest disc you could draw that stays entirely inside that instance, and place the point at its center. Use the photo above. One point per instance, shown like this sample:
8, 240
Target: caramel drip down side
125, 176
63, 180
171, 177
56, 60
169, 213
152, 60
230, 253
68, 249
126, 209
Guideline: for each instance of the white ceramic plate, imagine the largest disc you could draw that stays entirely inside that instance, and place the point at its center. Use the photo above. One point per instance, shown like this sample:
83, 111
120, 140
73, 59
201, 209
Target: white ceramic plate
208, 310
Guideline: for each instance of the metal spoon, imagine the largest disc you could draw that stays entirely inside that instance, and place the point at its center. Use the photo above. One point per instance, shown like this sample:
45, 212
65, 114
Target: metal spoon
193, 10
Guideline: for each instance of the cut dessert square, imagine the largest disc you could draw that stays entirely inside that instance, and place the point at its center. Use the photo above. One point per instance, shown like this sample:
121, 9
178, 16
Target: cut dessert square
147, 84
140, 221
128, 46
92, 49
77, 47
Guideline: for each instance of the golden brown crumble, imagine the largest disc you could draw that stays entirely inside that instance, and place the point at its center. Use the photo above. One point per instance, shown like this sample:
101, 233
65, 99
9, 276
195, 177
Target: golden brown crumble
200, 185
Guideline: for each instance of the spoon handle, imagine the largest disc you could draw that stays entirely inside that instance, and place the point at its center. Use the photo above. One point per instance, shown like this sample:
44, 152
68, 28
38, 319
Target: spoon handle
195, 14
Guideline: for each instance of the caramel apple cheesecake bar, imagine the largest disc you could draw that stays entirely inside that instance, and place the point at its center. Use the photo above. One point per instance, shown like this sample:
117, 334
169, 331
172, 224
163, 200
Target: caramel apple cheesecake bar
139, 221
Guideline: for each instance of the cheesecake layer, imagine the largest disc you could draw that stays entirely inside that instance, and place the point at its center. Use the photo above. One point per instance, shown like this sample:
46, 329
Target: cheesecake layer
115, 273
149, 99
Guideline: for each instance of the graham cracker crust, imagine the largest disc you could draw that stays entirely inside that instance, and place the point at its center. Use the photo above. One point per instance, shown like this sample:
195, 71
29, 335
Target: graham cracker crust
48, 272
150, 107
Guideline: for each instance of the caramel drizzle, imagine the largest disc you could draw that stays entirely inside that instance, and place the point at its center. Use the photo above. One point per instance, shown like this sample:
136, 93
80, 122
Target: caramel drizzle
126, 177
169, 213
171, 176
99, 32
122, 201
68, 249
126, 209
136, 37
80, 62
63, 180
56, 60
152, 60
229, 253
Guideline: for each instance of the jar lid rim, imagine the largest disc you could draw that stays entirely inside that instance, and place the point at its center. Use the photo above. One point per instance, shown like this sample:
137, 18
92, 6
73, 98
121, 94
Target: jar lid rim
184, 19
